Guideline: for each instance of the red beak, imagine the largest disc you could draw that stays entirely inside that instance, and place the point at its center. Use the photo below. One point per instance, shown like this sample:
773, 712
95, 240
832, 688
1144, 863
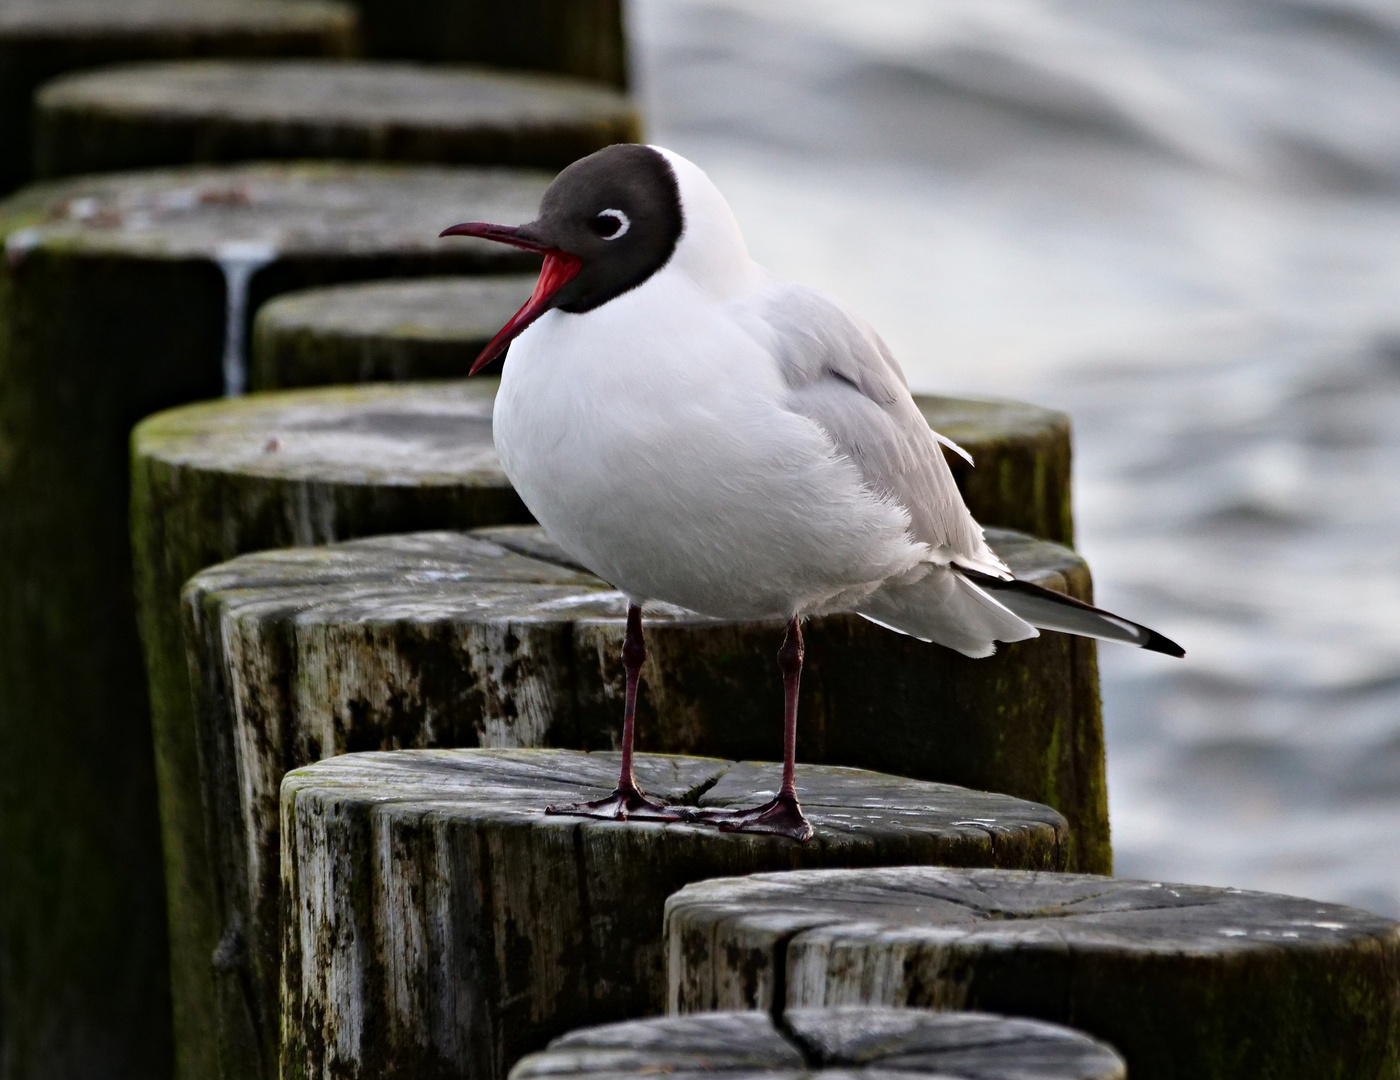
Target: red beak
559, 269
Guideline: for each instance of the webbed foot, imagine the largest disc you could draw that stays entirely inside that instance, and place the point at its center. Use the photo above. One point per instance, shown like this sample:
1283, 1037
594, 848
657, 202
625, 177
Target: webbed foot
780, 816
626, 801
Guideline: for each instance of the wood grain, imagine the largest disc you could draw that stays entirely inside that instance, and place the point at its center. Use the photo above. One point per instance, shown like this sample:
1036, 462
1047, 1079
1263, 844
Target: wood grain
1183, 980
213, 480
449, 640
852, 1041
436, 922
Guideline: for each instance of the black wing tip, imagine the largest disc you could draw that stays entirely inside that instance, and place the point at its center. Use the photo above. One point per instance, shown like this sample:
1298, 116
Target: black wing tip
1159, 644
1155, 642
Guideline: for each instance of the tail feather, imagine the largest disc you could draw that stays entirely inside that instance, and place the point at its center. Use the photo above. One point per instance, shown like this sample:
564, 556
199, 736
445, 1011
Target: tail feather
944, 606
1050, 610
970, 611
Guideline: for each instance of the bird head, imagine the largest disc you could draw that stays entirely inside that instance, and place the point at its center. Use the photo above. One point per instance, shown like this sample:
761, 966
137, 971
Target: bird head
606, 224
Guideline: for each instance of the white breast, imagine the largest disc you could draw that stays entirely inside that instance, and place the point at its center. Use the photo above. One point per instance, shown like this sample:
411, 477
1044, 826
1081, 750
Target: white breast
649, 438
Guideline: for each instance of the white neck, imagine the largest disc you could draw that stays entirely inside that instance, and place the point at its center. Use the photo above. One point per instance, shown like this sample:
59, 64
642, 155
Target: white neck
711, 250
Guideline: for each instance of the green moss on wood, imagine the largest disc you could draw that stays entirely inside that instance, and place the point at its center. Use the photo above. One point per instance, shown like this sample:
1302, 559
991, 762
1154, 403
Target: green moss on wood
112, 307
206, 487
1022, 480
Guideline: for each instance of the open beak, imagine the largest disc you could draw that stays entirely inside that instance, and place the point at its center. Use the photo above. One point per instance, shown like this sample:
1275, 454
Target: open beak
559, 269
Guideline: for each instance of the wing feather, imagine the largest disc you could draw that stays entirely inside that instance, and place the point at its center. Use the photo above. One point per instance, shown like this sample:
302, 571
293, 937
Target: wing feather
842, 376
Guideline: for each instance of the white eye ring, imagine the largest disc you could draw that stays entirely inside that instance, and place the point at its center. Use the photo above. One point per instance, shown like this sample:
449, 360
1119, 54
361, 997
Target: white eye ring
623, 223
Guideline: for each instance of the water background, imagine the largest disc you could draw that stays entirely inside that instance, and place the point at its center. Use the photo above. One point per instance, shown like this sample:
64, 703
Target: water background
1178, 220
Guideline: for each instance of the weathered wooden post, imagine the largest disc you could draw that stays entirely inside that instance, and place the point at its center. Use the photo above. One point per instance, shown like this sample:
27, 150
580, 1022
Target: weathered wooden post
1021, 479
1184, 980
584, 38
218, 111
436, 921
45, 38
450, 640
497, 639
212, 481
121, 295
381, 331
855, 1041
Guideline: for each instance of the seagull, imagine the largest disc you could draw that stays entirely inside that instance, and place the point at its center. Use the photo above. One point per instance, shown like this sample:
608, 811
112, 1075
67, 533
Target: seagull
696, 430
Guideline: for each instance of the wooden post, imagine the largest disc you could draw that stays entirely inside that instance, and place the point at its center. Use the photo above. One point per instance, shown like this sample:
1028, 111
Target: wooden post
436, 921
119, 296
212, 111
1021, 479
1184, 980
584, 38
39, 41
449, 640
213, 480
844, 1043
381, 331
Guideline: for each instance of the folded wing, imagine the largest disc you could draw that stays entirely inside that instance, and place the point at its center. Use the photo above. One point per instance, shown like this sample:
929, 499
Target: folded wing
842, 377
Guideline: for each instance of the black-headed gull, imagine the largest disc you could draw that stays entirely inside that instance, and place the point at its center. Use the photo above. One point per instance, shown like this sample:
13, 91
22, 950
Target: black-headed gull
699, 431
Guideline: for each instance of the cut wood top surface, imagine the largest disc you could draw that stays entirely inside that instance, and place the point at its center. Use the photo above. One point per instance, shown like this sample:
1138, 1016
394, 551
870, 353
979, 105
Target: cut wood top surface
851, 1041
406, 434
38, 19
502, 572
384, 330
970, 421
265, 211
413, 433
347, 92
845, 806
461, 310
484, 927
1183, 980
1021, 909
145, 115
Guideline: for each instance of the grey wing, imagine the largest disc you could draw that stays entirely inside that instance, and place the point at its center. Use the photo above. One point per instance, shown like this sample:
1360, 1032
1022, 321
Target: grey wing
842, 376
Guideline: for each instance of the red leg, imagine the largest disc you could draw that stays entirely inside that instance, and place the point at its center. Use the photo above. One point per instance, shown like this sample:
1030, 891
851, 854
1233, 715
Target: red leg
628, 799
782, 815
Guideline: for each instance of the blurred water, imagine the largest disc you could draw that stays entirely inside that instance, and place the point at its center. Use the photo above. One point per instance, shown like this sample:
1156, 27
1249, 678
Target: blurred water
1180, 221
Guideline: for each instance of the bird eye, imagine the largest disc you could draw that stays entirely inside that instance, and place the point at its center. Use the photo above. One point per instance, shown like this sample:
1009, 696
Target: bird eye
610, 224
